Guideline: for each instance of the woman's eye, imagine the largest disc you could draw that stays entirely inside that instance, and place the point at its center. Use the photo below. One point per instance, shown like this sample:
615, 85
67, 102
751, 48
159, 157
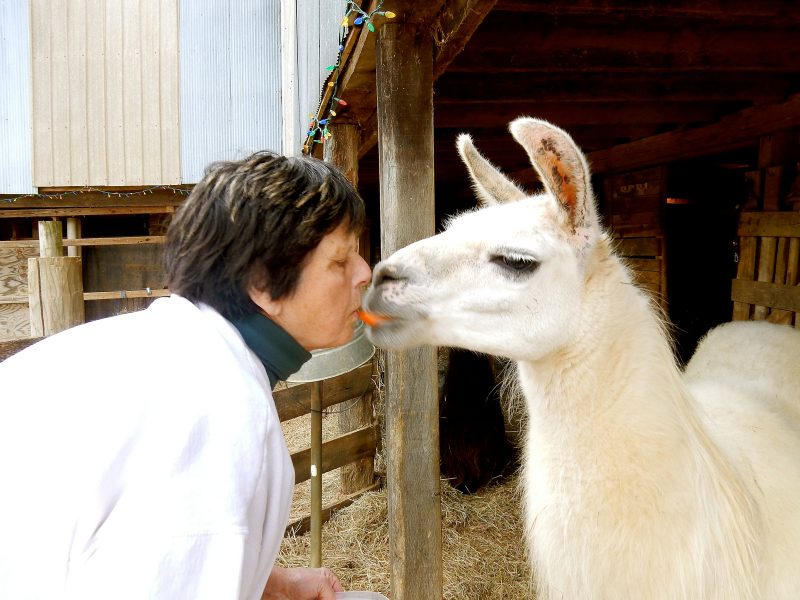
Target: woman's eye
516, 263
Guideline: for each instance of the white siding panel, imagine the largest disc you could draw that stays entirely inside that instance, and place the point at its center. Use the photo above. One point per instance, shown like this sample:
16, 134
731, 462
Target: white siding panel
15, 110
318, 29
105, 92
229, 81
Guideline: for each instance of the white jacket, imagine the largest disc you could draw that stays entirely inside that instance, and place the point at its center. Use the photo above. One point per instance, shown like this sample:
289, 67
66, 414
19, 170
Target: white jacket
141, 456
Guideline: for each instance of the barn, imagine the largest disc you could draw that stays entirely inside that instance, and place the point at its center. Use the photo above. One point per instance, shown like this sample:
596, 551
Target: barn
689, 114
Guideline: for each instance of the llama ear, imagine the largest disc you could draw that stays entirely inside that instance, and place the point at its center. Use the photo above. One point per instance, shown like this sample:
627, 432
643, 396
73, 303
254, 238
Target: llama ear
563, 170
491, 186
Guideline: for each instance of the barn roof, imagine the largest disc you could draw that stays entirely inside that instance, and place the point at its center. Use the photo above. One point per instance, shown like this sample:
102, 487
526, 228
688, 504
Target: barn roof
635, 82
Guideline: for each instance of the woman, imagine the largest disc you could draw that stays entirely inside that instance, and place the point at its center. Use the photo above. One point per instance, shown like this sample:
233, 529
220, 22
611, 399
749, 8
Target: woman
141, 455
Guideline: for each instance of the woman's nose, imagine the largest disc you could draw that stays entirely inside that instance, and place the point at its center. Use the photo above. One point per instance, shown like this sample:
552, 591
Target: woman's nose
363, 273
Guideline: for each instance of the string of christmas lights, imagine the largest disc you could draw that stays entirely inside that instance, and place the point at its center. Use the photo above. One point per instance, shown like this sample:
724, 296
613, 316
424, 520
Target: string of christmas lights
110, 194
318, 129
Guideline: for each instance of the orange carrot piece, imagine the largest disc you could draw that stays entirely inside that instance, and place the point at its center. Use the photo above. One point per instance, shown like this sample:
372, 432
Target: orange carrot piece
372, 319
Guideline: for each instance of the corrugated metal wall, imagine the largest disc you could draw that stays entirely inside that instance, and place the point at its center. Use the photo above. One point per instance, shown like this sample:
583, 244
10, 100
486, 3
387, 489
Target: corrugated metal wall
230, 81
15, 99
318, 27
105, 92
115, 104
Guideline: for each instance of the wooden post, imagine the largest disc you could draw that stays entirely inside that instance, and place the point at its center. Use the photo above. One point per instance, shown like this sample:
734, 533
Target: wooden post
404, 74
341, 150
50, 239
55, 285
316, 474
73, 233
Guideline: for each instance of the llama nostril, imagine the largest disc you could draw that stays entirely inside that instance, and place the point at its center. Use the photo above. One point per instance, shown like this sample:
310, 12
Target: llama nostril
384, 274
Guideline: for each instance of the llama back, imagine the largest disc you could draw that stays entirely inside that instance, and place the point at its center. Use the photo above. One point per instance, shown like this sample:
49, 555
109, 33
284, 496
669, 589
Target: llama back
745, 379
759, 357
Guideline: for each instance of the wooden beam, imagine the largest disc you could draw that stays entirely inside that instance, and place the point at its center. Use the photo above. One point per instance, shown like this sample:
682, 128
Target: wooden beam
457, 21
23, 213
552, 46
124, 294
566, 114
404, 76
734, 131
76, 197
668, 86
79, 242
731, 11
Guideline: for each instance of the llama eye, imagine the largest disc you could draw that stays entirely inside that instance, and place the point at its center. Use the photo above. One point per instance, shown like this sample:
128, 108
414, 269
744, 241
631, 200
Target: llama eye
516, 263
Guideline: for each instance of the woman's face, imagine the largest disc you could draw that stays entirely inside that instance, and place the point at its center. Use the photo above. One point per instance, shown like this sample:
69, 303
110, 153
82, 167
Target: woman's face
321, 313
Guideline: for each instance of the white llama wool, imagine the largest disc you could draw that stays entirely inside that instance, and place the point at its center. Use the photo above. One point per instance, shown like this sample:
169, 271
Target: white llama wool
639, 481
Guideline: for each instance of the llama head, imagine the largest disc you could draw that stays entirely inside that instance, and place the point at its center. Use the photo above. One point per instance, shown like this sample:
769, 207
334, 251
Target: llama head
506, 279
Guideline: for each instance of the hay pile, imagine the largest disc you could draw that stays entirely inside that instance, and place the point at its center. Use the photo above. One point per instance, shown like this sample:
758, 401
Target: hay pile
482, 545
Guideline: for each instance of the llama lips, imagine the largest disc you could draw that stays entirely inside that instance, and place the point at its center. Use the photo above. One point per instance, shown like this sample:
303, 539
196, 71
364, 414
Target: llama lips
372, 319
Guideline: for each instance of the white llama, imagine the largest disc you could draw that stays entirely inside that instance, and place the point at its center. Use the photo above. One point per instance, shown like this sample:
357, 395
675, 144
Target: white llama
639, 481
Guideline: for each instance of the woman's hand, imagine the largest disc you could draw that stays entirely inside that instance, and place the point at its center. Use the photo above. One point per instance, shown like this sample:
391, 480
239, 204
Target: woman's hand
301, 583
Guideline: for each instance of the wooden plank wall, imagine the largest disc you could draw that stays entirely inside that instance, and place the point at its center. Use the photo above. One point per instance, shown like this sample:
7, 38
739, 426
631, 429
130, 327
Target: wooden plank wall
105, 92
14, 314
633, 212
767, 286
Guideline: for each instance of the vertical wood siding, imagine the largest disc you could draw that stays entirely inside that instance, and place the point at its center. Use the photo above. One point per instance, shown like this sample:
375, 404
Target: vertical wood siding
15, 111
105, 92
230, 81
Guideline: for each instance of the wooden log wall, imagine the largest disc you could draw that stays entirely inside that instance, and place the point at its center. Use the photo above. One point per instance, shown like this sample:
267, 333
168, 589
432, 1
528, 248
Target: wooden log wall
634, 214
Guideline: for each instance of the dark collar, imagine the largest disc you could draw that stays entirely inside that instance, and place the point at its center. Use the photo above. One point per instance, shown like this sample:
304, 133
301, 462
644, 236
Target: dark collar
278, 351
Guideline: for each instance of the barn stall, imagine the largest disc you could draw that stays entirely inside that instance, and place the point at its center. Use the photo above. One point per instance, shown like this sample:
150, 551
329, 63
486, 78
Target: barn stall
689, 115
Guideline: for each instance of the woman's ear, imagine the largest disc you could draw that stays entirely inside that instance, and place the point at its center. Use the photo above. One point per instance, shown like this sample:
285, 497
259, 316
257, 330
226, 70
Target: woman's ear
262, 299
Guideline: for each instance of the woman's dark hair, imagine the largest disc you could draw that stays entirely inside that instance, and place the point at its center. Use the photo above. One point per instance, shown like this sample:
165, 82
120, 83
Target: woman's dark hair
253, 222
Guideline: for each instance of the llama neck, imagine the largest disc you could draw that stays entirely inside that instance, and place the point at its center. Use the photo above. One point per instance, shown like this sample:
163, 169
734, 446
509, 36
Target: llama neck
616, 457
620, 369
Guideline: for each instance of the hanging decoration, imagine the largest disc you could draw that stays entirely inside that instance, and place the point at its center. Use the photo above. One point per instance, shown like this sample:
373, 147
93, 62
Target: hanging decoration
319, 128
110, 194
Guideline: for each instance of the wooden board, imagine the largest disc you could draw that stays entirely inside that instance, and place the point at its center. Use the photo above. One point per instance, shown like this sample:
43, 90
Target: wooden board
337, 452
767, 285
14, 273
295, 401
15, 321
119, 268
766, 295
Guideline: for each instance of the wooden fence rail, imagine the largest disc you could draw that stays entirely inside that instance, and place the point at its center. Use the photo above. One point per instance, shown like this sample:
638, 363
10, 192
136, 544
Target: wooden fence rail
345, 449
